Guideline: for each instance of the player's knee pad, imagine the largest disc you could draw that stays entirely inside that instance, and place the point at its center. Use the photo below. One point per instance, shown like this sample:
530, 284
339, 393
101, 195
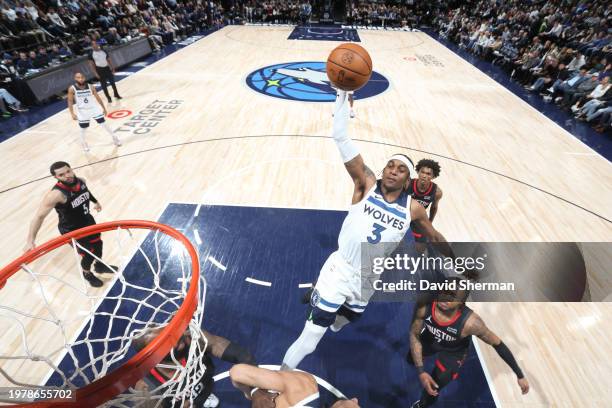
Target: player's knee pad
100, 120
83, 125
351, 315
321, 317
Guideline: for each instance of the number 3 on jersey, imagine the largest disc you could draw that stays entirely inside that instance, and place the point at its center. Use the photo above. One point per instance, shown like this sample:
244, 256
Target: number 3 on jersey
378, 229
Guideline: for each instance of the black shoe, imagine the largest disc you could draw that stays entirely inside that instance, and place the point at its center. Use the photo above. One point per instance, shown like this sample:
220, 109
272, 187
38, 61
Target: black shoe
307, 296
109, 99
118, 97
104, 268
91, 278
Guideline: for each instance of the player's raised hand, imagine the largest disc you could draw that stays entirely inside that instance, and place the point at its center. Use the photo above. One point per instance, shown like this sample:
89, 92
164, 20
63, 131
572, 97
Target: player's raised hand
524, 384
429, 384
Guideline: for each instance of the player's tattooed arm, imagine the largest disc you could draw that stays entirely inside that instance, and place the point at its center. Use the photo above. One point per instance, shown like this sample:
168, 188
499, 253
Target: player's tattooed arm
475, 326
416, 347
363, 177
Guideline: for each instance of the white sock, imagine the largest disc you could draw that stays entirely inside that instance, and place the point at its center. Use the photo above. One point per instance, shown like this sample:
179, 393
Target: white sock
339, 323
304, 345
110, 132
83, 142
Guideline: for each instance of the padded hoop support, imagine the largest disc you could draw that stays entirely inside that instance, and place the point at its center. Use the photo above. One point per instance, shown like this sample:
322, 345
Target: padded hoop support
119, 380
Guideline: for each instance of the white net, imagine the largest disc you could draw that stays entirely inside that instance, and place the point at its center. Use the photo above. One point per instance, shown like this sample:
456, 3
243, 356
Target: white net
59, 331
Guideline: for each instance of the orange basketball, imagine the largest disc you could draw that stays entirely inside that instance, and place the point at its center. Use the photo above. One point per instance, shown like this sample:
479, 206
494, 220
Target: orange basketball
349, 67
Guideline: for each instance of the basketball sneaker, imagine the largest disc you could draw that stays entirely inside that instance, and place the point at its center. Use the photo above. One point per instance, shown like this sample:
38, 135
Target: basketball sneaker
100, 267
352, 113
211, 402
84, 145
91, 278
116, 141
416, 404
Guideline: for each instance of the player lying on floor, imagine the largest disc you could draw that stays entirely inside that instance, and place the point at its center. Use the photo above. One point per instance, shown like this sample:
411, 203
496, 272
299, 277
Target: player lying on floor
218, 347
287, 388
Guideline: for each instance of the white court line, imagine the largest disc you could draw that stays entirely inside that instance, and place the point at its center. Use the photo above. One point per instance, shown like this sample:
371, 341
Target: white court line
196, 235
320, 381
305, 285
258, 282
486, 373
217, 263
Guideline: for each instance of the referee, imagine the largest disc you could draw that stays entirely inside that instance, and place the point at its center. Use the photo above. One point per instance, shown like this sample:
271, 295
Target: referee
101, 64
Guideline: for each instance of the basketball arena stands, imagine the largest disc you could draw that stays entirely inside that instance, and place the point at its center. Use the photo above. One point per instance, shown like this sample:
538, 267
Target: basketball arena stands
560, 49
542, 45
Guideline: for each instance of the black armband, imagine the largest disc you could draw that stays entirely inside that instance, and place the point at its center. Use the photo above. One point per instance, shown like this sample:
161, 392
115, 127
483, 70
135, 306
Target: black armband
420, 369
236, 354
92, 198
506, 355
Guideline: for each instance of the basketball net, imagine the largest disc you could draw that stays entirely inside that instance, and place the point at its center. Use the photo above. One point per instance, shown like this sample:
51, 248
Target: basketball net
92, 340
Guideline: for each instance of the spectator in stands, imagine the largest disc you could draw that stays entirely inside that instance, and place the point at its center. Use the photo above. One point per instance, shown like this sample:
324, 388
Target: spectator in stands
600, 95
23, 64
8, 11
11, 101
42, 59
583, 88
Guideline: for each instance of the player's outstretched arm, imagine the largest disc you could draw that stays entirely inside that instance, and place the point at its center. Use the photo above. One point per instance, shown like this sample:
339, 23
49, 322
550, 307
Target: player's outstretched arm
475, 326
416, 349
419, 215
246, 377
52, 198
226, 350
362, 176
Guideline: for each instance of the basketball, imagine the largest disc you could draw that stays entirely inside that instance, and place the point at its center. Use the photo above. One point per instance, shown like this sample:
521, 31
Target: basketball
349, 67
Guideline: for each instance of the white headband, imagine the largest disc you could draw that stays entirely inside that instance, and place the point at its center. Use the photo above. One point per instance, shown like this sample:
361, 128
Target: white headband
406, 161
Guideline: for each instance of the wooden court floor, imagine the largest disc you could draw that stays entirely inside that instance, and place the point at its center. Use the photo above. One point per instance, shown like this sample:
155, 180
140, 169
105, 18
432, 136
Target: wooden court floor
508, 174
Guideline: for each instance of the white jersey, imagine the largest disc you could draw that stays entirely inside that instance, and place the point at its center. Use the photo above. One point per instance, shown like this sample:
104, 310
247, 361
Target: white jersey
84, 99
373, 220
87, 107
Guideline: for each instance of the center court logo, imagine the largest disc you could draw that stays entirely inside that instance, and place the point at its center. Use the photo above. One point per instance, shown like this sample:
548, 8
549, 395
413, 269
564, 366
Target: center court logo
306, 81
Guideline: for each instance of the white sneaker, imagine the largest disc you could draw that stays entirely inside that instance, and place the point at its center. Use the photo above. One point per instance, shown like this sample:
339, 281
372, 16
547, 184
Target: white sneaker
574, 108
211, 402
85, 146
352, 114
117, 141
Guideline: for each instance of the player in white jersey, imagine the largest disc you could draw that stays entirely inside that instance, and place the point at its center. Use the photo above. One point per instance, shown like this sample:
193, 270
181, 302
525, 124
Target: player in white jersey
381, 212
88, 106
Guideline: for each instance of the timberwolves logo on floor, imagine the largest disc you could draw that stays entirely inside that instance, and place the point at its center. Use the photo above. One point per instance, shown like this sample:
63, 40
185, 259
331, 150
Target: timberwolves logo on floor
306, 81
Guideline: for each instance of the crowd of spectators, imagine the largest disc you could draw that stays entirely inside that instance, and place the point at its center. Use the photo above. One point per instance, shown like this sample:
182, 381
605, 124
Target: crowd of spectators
379, 14
273, 12
37, 34
561, 49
